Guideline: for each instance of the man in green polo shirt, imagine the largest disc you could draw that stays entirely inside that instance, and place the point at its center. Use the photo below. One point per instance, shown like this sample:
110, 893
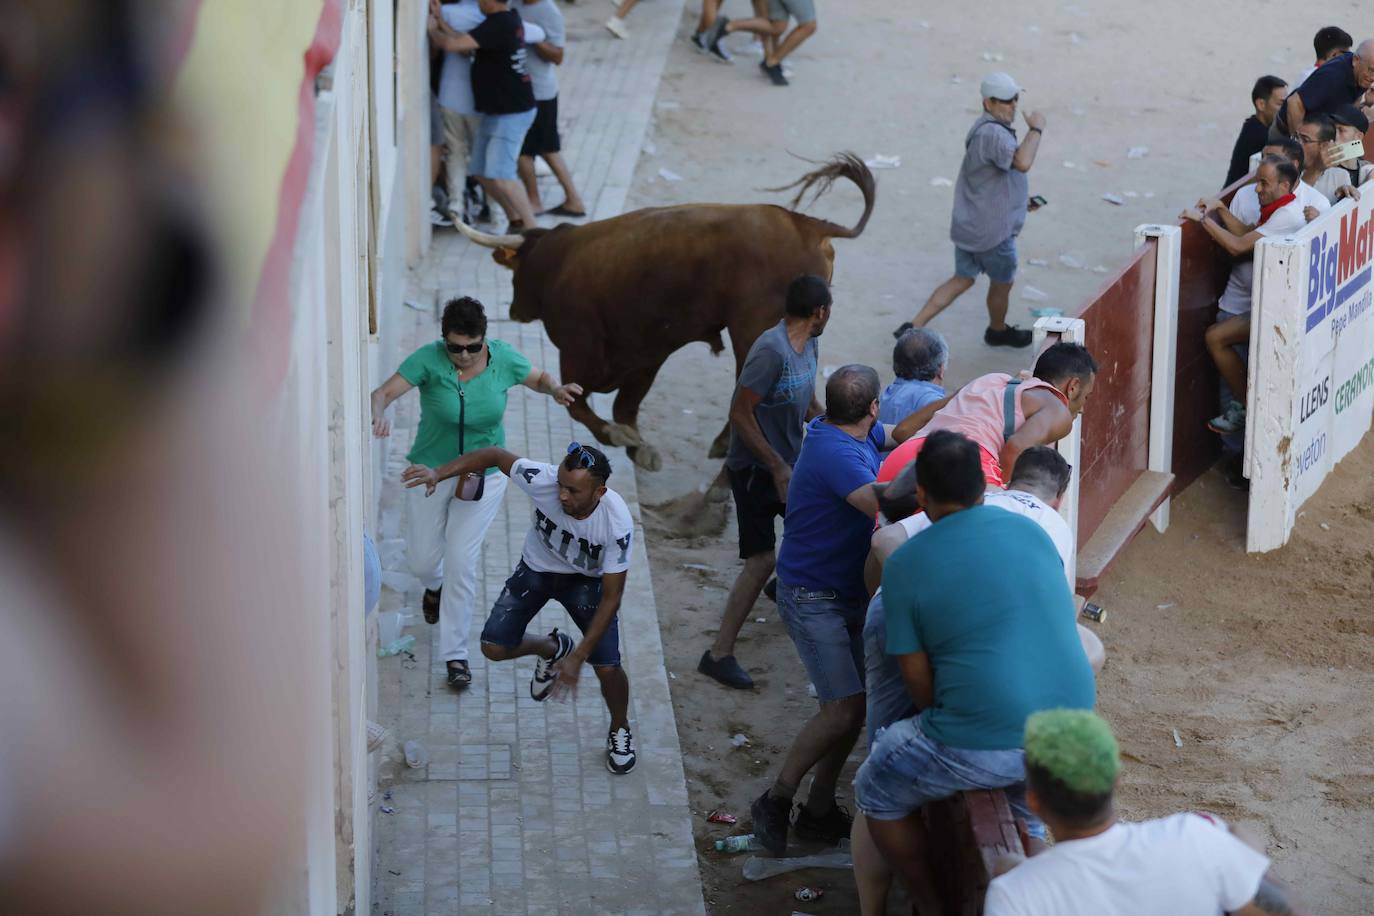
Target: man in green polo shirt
981, 621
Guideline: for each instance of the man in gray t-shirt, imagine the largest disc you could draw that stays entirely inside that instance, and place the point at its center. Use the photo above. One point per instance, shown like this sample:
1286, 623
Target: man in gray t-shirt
774, 397
542, 139
991, 199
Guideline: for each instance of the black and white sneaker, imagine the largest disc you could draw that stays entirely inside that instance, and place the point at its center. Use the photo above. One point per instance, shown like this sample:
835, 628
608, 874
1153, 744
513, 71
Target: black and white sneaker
620, 751
544, 675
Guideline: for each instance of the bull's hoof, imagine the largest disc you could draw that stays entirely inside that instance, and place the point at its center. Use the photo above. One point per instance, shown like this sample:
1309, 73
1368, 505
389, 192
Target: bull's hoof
622, 436
646, 457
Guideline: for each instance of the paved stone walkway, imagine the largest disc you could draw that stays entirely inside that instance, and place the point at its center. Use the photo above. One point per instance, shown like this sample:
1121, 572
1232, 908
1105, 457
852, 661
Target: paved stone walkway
516, 812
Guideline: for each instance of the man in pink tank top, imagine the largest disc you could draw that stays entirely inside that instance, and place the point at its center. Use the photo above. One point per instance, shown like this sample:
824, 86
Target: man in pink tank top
1005, 415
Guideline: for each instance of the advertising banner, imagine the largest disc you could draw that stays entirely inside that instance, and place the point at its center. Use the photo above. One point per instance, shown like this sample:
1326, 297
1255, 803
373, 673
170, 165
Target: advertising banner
1311, 396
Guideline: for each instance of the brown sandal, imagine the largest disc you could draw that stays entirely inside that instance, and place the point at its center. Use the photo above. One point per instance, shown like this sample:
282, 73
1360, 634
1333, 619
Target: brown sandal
430, 604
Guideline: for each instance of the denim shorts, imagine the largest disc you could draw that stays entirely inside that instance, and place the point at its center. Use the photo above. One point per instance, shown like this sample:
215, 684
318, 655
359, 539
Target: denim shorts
998, 263
526, 593
497, 144
906, 769
888, 699
827, 630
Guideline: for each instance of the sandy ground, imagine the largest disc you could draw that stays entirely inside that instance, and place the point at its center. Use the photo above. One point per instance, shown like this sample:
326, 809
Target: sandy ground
1262, 664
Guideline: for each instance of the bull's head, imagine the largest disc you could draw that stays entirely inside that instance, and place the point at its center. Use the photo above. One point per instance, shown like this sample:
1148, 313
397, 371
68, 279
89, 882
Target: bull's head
505, 248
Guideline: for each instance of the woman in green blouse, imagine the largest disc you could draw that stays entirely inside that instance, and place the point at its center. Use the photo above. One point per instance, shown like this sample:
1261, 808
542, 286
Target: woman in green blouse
463, 380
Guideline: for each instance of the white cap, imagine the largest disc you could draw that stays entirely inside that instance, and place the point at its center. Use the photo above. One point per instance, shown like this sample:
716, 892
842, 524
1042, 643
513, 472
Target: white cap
1000, 86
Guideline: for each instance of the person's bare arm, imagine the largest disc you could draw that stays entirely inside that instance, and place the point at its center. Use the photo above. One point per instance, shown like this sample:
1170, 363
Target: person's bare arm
387, 392
1228, 219
920, 680
1272, 899
549, 52
472, 463
570, 668
1233, 244
1030, 145
884, 541
916, 421
540, 381
1047, 421
1296, 112
865, 500
746, 426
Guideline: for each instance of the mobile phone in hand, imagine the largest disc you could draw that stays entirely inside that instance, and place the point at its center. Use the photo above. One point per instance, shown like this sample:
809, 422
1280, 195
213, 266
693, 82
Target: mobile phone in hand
1345, 152
1036, 202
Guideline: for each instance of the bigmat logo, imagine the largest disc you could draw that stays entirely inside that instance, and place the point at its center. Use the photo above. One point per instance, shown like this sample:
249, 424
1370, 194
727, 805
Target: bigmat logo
1340, 268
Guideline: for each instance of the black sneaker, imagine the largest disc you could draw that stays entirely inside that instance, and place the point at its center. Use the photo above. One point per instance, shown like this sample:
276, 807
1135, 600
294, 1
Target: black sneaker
902, 329
1233, 468
1010, 336
828, 828
725, 670
544, 676
770, 816
620, 751
699, 43
459, 674
712, 36
774, 73
771, 589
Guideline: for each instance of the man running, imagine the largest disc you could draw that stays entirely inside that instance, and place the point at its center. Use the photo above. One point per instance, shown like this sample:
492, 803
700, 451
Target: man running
577, 553
1005, 415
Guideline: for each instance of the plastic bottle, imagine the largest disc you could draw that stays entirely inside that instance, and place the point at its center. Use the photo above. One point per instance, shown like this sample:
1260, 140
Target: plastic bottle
396, 646
416, 755
736, 843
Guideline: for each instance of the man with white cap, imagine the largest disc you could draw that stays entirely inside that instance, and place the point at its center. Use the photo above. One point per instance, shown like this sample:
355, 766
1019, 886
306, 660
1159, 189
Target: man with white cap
990, 204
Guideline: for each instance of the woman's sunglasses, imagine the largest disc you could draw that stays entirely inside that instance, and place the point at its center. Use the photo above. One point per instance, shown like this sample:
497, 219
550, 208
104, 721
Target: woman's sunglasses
465, 348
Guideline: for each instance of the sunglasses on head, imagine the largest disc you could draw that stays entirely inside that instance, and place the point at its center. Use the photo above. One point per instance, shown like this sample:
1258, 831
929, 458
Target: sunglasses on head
585, 459
465, 348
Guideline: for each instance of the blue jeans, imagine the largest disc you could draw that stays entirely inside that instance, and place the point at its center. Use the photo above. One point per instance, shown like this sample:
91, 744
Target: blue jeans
906, 769
998, 263
497, 144
827, 630
526, 593
888, 699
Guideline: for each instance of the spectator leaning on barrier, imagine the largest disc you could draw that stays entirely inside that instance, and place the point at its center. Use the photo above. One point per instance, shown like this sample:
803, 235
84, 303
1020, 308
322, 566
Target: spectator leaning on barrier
991, 197
979, 651
1181, 864
1280, 214
1329, 42
1341, 81
1267, 97
919, 360
1245, 205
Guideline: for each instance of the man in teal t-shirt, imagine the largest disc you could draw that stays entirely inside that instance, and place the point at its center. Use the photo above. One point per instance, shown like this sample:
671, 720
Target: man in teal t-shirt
982, 623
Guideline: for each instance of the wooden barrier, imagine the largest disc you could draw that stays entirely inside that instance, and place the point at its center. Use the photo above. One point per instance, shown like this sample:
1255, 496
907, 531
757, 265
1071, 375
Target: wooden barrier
977, 831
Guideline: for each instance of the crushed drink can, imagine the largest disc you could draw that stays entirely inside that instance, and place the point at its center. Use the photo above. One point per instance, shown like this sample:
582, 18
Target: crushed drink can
720, 817
809, 894
1094, 612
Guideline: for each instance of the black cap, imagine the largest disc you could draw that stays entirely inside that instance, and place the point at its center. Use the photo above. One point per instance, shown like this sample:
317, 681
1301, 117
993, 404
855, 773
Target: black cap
1351, 116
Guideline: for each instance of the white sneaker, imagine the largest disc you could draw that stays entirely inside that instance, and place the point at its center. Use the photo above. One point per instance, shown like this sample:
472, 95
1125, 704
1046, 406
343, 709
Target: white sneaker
620, 751
616, 26
544, 676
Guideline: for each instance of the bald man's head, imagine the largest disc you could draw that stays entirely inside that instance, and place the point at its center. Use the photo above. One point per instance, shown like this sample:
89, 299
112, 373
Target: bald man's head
1364, 63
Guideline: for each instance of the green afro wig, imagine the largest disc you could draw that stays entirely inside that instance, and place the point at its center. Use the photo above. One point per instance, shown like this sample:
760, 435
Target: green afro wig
1075, 747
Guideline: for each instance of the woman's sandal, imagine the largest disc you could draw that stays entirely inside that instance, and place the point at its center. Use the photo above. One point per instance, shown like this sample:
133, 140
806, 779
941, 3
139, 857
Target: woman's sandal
459, 674
430, 604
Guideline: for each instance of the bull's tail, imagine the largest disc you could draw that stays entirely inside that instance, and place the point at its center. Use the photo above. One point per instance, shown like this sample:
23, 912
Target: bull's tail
816, 183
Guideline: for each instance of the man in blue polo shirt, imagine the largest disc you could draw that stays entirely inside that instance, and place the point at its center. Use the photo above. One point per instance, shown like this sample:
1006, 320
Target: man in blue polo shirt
821, 599
1341, 81
981, 621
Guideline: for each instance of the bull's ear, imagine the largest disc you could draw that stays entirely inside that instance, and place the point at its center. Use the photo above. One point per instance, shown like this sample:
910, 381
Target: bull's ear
506, 257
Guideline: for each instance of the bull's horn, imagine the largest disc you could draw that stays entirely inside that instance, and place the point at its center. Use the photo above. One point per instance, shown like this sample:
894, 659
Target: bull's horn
489, 241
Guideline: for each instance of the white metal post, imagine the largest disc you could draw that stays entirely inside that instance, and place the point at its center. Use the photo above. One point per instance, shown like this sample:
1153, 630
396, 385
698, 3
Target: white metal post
1067, 330
1164, 358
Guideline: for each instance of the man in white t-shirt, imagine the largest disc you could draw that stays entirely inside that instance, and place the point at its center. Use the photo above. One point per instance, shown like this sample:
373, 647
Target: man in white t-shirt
577, 553
1182, 865
1280, 214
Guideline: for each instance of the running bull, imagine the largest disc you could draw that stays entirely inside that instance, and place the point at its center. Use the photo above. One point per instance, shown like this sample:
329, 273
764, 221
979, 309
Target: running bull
619, 296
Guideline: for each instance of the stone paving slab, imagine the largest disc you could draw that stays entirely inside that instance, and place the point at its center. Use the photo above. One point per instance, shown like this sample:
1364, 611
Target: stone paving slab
516, 812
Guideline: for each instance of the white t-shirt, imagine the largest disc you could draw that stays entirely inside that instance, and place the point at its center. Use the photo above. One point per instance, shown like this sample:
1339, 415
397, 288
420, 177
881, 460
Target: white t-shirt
1245, 205
1181, 865
455, 76
1285, 221
1021, 503
1332, 180
559, 543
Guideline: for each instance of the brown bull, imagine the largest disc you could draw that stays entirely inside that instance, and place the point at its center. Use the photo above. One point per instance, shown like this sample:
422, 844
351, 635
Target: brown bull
618, 296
